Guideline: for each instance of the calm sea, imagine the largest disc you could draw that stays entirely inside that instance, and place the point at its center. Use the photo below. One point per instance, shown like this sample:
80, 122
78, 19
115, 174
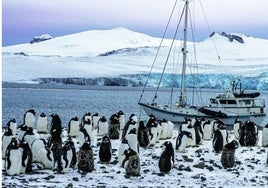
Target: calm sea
73, 100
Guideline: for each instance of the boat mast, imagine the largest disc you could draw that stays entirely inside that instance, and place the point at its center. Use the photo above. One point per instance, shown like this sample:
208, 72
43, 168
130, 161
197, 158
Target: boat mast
184, 51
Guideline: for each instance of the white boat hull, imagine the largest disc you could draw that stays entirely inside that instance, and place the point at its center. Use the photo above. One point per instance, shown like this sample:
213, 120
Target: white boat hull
177, 115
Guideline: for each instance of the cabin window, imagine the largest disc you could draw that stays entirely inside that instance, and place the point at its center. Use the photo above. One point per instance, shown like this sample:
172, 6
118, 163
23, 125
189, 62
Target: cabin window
213, 101
231, 102
223, 101
247, 102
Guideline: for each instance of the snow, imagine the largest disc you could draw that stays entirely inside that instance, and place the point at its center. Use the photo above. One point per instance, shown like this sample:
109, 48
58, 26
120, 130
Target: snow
117, 52
198, 166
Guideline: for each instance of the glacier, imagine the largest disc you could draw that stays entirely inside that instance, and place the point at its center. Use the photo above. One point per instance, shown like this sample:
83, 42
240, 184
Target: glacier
121, 57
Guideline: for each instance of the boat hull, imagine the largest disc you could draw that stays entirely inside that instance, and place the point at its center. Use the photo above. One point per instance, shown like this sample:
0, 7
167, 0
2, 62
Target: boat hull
178, 115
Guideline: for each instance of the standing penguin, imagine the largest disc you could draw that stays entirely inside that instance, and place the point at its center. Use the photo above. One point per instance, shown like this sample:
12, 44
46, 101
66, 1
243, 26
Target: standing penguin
28, 121
67, 156
207, 130
46, 157
36, 146
121, 150
129, 125
74, 156
114, 127
143, 135
12, 125
237, 127
166, 160
265, 135
131, 163
86, 117
6, 139
220, 138
182, 140
105, 152
13, 158
102, 126
55, 141
132, 139
122, 122
248, 134
42, 124
26, 163
73, 127
95, 119
165, 129
228, 154
83, 136
85, 158
29, 136
196, 122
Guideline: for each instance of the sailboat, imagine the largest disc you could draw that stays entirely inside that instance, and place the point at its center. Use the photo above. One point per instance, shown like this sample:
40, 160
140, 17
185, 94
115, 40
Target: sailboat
227, 106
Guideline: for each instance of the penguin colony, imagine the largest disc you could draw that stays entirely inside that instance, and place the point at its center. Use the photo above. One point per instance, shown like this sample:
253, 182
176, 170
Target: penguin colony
38, 141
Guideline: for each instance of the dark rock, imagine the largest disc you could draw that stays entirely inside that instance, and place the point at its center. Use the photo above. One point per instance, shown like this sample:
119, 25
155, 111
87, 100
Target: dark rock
70, 185
200, 165
49, 177
75, 179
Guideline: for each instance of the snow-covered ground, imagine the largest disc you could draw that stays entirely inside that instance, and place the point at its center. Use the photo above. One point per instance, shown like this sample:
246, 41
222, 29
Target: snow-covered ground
198, 167
117, 52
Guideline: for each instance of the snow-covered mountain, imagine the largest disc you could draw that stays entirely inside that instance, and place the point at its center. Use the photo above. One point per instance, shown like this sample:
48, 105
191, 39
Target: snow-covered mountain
123, 57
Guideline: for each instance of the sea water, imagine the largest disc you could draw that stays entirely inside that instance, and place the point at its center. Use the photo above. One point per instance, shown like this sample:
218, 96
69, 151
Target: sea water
73, 100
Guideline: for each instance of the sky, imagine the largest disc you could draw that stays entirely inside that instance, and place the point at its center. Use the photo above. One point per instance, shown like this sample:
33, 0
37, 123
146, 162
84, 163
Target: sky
24, 19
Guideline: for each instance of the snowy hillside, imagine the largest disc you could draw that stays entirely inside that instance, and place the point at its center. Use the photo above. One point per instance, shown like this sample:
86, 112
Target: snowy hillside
123, 57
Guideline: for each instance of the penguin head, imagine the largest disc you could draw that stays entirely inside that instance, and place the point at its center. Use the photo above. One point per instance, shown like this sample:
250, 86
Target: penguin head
163, 120
133, 117
103, 119
232, 145
120, 113
141, 125
167, 145
32, 111
106, 139
95, 114
42, 114
86, 121
114, 119
13, 143
188, 134
129, 152
11, 121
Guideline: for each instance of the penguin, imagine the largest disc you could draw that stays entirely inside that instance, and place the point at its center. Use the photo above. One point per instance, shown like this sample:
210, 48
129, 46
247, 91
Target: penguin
128, 126
220, 138
74, 155
184, 126
26, 162
29, 118
67, 156
102, 126
28, 121
88, 127
73, 127
55, 144
114, 127
122, 122
6, 139
55, 126
12, 125
46, 157
143, 135
165, 129
95, 119
207, 130
265, 135
251, 134
196, 122
182, 140
121, 150
29, 136
132, 139
131, 163
85, 158
86, 117
13, 159
189, 128
170, 129
36, 146
105, 152
237, 127
83, 136
228, 154
42, 124
153, 134
166, 160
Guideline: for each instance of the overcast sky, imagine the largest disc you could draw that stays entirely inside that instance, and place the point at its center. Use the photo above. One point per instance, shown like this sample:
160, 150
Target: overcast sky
23, 19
